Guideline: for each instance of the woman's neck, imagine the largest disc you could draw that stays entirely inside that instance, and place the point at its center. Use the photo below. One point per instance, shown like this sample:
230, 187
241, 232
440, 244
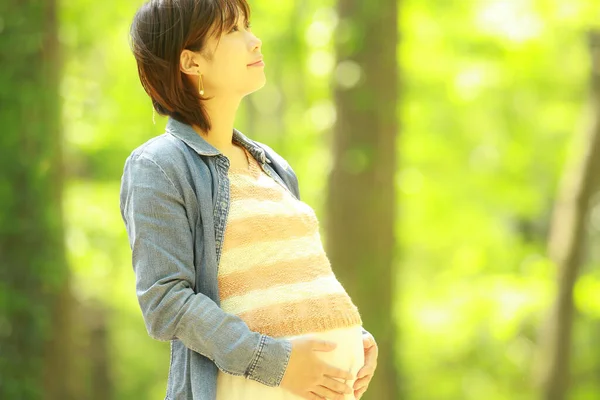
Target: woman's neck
221, 112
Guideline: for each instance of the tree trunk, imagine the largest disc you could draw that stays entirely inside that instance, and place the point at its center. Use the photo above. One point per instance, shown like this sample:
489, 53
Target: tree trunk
101, 383
361, 200
33, 272
566, 245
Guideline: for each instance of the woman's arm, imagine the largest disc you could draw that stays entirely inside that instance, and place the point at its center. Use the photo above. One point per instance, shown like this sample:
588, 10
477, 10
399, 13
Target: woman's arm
163, 261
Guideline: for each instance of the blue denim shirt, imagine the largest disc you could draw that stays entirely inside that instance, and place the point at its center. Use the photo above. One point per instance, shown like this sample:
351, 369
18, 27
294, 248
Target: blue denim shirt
174, 202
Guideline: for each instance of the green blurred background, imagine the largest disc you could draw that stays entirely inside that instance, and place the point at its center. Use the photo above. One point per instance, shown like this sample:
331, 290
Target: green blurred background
494, 105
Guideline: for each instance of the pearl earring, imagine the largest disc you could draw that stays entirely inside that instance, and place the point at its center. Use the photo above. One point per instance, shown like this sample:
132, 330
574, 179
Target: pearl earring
200, 85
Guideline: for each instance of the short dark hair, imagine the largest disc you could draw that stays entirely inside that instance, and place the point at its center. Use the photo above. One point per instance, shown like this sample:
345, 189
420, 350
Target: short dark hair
160, 31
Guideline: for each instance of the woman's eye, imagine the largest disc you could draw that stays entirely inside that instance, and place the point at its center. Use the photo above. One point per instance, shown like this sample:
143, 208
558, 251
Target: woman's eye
235, 28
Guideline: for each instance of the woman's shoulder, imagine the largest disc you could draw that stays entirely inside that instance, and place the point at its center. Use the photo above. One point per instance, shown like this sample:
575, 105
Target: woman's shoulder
160, 149
168, 157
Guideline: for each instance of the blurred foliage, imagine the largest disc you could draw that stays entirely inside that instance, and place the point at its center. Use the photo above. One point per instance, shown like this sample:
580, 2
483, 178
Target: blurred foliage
33, 268
492, 104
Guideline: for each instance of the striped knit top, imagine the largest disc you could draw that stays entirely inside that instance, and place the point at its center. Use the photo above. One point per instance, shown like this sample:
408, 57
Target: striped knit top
273, 272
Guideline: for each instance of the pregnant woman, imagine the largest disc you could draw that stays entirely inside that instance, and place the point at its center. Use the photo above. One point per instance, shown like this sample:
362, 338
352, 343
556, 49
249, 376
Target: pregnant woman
228, 261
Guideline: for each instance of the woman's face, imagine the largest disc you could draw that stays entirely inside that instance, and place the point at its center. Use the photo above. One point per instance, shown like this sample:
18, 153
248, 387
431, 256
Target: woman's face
226, 62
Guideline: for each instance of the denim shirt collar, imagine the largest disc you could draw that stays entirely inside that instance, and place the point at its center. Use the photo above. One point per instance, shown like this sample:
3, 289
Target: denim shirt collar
189, 136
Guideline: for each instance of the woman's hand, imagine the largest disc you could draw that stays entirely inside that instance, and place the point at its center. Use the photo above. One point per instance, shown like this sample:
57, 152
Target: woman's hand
311, 378
365, 374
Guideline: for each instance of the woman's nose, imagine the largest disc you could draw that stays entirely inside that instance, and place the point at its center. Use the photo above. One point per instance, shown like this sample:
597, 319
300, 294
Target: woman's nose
256, 43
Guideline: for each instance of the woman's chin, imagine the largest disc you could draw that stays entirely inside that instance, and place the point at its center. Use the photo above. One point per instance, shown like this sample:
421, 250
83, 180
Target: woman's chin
259, 85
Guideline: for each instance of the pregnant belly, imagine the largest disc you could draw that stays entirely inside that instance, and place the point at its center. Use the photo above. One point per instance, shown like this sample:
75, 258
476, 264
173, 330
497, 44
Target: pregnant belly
348, 355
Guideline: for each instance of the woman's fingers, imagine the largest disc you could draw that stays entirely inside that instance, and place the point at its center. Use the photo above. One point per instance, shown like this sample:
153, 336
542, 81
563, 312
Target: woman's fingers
359, 393
337, 373
337, 386
328, 393
362, 383
371, 357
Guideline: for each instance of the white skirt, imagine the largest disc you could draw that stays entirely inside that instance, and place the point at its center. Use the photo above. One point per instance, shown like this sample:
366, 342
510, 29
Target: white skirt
348, 355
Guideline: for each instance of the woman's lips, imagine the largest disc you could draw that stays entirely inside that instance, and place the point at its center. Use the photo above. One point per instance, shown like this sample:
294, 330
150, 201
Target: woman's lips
259, 63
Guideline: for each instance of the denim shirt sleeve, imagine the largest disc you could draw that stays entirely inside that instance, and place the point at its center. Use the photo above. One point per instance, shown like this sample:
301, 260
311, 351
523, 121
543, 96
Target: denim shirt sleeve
163, 260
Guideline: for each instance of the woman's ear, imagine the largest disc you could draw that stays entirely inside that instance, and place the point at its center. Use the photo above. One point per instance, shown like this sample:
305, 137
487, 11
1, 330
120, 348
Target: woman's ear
189, 62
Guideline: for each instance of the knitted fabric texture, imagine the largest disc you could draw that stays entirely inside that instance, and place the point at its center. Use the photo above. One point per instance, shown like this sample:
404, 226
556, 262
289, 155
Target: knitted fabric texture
274, 273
